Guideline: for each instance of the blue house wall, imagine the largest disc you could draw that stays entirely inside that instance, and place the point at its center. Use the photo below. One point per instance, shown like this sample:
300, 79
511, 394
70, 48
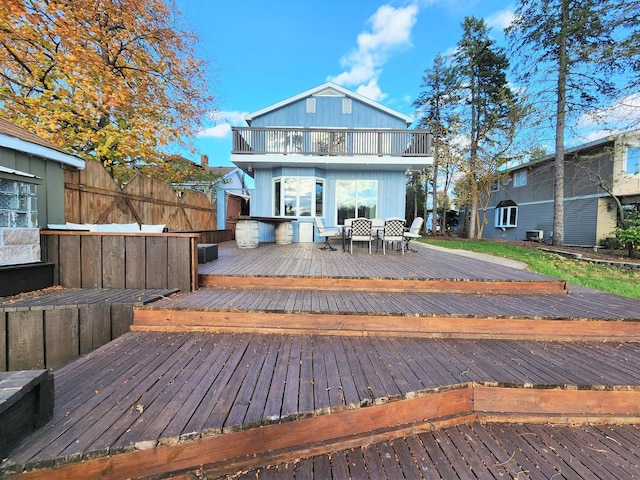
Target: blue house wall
391, 194
328, 114
332, 107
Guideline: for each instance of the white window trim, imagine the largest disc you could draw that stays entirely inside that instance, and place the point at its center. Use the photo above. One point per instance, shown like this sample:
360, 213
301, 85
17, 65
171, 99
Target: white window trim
314, 181
347, 105
377, 183
311, 105
500, 214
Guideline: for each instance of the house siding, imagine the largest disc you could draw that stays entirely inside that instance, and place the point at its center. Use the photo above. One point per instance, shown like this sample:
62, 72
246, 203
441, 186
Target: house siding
328, 114
356, 159
581, 221
389, 184
586, 218
50, 182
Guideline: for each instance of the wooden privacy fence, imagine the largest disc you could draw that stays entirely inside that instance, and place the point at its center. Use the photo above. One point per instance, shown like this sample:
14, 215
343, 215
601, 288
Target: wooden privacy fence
122, 260
92, 196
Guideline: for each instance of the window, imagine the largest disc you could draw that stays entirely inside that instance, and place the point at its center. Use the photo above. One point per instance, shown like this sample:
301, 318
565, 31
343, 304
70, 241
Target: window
346, 105
356, 198
311, 105
520, 178
506, 215
633, 161
18, 204
298, 197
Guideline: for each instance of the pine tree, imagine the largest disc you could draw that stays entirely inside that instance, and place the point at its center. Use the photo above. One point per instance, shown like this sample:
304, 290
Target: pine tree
566, 51
490, 112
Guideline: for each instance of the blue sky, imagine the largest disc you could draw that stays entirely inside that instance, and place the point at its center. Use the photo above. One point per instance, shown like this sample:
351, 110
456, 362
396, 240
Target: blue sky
261, 52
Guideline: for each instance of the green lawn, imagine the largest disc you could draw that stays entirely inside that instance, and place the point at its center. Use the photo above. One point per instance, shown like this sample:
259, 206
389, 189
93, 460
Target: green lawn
599, 277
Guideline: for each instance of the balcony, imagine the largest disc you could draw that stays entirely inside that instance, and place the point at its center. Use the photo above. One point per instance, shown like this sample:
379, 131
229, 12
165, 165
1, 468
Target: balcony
313, 141
340, 148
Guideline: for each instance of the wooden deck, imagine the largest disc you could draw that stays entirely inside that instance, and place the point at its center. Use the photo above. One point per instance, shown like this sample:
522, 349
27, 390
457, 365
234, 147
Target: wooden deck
353, 382
477, 450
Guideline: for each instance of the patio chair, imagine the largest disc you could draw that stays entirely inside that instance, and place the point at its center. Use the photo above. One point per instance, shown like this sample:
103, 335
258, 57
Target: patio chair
393, 231
413, 232
360, 232
327, 234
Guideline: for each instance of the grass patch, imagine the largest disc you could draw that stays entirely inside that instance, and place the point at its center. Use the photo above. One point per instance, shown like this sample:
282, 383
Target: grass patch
605, 278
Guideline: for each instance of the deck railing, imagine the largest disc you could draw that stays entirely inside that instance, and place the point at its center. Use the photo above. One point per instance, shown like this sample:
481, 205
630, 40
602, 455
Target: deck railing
344, 142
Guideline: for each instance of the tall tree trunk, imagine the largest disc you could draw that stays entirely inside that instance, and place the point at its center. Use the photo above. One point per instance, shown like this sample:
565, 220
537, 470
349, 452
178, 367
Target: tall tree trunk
434, 185
473, 218
561, 107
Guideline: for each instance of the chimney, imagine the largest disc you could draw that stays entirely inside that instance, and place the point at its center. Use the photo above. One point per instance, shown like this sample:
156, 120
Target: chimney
204, 160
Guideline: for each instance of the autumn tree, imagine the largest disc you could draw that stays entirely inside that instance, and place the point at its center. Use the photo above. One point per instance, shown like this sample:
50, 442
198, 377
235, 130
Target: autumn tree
568, 55
115, 81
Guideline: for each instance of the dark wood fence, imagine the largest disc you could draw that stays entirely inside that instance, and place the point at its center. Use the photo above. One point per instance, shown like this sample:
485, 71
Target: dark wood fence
122, 260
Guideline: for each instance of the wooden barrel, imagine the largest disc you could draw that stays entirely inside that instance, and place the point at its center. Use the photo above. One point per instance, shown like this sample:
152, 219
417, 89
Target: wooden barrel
284, 233
247, 234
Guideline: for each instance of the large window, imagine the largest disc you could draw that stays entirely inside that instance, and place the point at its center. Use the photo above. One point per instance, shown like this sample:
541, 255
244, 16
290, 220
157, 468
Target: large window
356, 198
298, 197
18, 204
506, 215
633, 161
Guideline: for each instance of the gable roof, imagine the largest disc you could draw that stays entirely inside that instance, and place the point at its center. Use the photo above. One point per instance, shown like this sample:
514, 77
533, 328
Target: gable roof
22, 140
333, 90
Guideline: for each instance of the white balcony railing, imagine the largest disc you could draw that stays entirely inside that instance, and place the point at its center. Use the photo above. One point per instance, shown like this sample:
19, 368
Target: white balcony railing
343, 142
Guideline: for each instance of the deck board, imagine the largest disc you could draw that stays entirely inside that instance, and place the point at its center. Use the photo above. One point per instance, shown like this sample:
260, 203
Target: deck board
224, 373
473, 451
182, 389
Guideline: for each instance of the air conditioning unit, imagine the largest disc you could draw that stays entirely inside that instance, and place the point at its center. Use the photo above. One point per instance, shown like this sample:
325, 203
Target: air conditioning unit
535, 235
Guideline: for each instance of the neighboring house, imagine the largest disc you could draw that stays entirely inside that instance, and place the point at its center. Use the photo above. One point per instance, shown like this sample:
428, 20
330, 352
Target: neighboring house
230, 192
331, 153
31, 196
31, 191
521, 206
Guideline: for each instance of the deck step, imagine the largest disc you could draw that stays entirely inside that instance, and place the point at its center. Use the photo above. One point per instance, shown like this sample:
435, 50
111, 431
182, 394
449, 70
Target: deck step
26, 403
516, 287
583, 315
246, 448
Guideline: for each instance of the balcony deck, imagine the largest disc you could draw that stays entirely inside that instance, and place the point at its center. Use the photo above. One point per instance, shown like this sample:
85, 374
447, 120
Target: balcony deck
187, 394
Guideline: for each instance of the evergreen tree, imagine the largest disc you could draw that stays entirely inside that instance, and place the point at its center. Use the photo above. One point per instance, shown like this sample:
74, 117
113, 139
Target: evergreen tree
437, 105
490, 110
567, 54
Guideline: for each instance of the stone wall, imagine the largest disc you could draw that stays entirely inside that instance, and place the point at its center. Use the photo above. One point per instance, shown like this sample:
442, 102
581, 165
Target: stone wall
19, 246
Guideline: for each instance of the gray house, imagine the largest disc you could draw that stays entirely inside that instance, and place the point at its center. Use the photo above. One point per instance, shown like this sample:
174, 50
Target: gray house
521, 205
31, 195
330, 153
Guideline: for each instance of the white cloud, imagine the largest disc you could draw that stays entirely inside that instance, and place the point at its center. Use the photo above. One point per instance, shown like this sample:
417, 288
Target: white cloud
390, 31
500, 19
371, 90
621, 114
618, 117
222, 124
217, 131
